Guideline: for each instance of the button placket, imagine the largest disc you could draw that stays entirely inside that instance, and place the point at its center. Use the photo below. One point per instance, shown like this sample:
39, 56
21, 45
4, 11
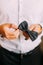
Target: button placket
19, 17
21, 56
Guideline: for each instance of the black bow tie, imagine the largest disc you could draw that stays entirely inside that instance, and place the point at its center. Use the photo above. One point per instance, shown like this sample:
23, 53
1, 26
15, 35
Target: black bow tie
24, 27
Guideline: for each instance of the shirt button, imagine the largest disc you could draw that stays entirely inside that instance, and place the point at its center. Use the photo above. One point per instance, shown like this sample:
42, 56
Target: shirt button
21, 56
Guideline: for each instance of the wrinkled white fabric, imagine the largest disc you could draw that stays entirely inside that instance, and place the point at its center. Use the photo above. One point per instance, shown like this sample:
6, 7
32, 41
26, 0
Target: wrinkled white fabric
16, 11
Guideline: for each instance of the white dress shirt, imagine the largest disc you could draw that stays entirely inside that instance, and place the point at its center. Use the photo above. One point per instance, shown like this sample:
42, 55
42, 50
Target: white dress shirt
16, 11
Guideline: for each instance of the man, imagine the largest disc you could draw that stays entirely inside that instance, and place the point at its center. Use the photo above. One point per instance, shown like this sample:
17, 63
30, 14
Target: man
14, 48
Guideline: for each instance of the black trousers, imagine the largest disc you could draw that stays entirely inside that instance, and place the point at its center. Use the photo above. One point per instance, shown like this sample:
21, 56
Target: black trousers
9, 58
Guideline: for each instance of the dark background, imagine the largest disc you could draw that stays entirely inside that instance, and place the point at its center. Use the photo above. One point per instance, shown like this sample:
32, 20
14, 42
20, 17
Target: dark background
41, 47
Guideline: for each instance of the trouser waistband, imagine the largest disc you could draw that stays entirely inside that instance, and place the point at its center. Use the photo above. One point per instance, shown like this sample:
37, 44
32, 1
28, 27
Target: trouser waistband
27, 53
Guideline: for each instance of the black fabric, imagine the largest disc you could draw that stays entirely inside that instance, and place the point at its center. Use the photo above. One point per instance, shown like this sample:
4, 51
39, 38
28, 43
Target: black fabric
9, 58
24, 27
32, 58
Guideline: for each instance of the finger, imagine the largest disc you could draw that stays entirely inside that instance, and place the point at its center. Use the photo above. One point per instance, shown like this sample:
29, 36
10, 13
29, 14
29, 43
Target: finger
26, 35
9, 30
38, 29
6, 25
14, 34
14, 26
17, 33
32, 26
10, 37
